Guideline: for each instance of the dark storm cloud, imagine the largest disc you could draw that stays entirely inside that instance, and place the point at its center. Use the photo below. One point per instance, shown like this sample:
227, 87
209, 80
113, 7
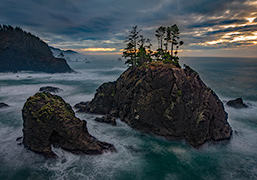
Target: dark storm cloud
90, 23
209, 23
246, 28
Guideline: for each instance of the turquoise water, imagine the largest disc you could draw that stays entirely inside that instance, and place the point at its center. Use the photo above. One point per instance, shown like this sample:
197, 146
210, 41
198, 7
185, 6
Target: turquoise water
140, 156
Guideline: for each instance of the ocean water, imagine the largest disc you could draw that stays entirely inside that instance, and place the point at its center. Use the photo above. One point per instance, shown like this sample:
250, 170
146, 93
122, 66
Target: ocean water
140, 156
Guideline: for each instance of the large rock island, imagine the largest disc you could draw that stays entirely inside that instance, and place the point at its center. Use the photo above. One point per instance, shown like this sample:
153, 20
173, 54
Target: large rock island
22, 51
164, 100
49, 120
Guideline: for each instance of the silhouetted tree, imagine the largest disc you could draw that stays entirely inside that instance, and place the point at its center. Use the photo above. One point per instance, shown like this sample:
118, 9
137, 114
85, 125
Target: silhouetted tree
174, 37
5, 28
138, 49
132, 41
128, 53
160, 34
149, 45
179, 44
167, 38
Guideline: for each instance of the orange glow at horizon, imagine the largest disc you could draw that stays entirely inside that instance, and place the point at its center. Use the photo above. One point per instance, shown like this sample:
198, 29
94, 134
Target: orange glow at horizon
99, 49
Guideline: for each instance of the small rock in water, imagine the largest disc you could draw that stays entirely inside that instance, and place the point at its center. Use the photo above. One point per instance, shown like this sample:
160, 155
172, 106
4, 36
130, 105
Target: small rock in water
109, 119
237, 103
236, 132
50, 89
81, 106
3, 105
19, 140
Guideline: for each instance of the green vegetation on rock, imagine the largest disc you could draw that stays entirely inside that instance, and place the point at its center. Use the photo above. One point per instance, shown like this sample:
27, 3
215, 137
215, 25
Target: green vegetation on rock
22, 51
49, 120
138, 49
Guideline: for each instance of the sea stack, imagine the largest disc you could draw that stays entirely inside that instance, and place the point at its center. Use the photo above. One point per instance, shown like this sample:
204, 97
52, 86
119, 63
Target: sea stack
49, 120
165, 100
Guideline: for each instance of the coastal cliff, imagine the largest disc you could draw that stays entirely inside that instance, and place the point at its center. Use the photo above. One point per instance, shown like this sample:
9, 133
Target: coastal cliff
164, 100
22, 51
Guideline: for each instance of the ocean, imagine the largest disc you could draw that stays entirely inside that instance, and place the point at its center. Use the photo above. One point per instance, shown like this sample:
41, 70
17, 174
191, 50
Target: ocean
140, 156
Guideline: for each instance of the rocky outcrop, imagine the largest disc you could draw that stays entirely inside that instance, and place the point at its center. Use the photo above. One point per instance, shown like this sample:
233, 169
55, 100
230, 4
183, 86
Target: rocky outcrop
50, 89
237, 103
3, 105
49, 120
108, 118
22, 51
164, 100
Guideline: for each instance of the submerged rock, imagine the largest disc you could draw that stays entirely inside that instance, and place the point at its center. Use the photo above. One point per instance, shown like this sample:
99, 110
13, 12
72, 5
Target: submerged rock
164, 100
237, 103
3, 105
49, 120
50, 89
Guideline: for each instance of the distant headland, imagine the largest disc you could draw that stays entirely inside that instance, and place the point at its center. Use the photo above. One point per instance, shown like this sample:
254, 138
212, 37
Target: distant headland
23, 51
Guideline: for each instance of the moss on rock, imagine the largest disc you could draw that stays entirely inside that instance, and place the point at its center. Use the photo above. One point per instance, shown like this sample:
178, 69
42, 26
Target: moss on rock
49, 120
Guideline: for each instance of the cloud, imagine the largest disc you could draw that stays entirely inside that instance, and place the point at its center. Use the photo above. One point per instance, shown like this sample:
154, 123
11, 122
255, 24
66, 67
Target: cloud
214, 22
83, 24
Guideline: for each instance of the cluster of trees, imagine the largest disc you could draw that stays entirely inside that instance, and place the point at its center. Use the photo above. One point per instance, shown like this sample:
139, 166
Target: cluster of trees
10, 29
138, 49
17, 38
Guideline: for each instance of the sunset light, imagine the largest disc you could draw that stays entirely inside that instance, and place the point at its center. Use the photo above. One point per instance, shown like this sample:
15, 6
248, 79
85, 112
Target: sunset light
128, 90
99, 49
251, 19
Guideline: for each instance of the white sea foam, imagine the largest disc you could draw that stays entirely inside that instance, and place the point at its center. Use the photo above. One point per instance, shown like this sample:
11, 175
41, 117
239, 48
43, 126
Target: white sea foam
82, 75
105, 166
14, 156
178, 150
245, 113
137, 153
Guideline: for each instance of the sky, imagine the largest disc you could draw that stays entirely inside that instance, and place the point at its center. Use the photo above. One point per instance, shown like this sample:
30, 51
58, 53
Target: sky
226, 28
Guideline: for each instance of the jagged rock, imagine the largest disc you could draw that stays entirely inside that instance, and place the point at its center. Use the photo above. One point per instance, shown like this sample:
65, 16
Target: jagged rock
102, 102
50, 89
49, 120
165, 100
237, 103
108, 118
22, 51
19, 140
82, 106
3, 105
